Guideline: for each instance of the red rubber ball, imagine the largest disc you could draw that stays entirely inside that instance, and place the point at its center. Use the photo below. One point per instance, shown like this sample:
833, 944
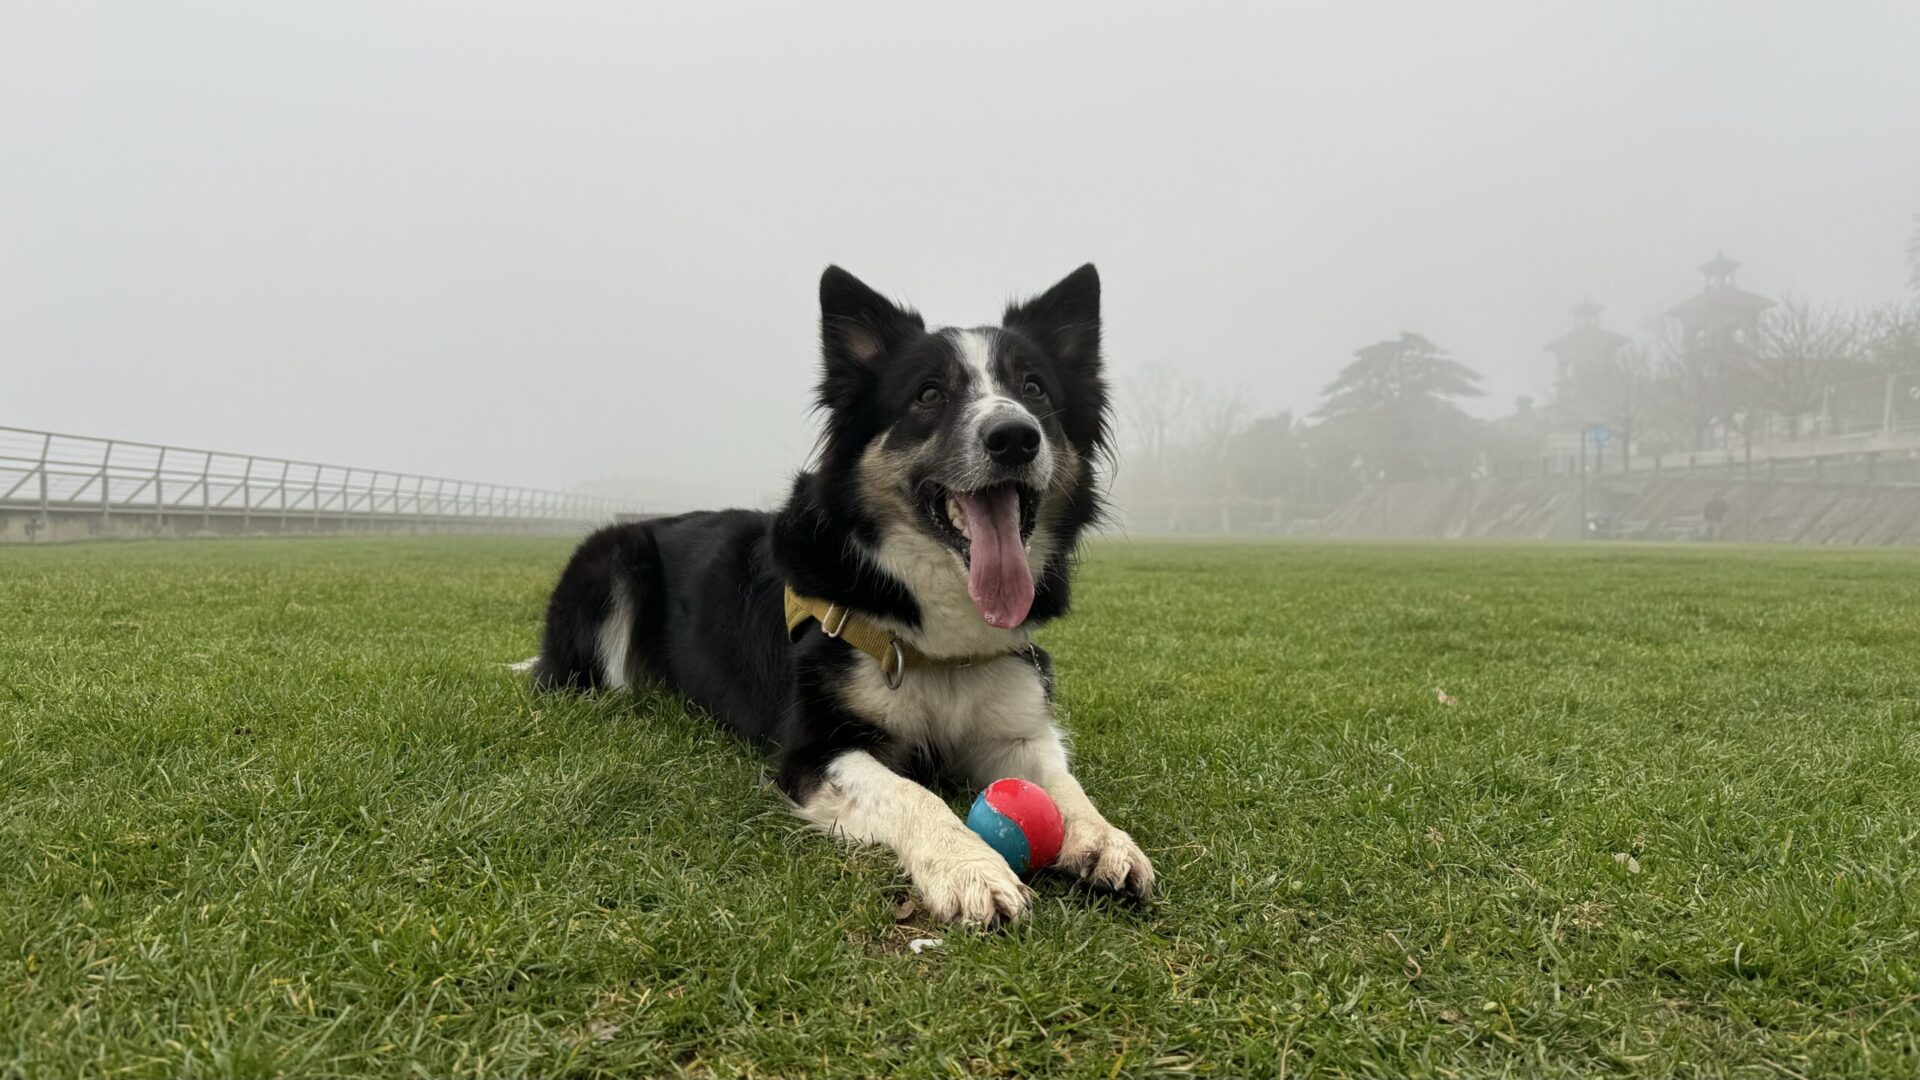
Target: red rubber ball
1021, 822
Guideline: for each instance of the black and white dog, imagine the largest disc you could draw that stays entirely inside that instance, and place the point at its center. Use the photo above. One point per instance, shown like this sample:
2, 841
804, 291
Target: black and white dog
938, 527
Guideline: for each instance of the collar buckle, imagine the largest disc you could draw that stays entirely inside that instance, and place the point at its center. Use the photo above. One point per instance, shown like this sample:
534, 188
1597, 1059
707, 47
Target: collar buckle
832, 625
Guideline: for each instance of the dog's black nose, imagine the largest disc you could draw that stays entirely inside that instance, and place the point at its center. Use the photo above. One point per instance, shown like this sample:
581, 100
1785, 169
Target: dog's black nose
1013, 441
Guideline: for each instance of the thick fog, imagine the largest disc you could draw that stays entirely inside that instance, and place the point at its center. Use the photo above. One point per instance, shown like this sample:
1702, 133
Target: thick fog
564, 244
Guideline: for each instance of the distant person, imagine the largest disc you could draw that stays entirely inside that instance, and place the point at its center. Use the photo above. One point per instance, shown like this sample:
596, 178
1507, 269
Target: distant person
1716, 512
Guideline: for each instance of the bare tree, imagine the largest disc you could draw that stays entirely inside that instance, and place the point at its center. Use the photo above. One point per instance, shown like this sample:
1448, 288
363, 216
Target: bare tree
1613, 390
1891, 338
1802, 349
1913, 257
1678, 412
1158, 405
1218, 417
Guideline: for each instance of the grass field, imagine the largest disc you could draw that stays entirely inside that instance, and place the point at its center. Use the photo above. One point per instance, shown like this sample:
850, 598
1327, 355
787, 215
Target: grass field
275, 807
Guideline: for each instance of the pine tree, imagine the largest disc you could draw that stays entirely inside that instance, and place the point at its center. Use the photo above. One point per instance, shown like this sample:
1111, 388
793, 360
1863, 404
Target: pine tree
1390, 414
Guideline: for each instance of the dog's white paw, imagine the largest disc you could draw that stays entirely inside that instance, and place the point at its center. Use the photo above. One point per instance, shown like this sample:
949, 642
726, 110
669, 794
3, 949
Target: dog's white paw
1106, 857
970, 883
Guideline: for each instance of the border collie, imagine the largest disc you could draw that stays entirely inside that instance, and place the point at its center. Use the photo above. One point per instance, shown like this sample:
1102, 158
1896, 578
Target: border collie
875, 630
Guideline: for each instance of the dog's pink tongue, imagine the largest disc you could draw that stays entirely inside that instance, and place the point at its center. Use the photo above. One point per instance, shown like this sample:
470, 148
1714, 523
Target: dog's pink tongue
999, 580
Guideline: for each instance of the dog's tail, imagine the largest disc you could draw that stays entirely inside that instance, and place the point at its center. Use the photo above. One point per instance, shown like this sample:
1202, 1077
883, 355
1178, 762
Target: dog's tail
600, 612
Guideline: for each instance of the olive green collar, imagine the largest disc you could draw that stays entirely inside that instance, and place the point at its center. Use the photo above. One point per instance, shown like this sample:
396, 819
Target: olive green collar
894, 655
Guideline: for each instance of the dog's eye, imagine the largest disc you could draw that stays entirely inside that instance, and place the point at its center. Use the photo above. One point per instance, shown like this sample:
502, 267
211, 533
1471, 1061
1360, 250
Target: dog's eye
1033, 389
931, 394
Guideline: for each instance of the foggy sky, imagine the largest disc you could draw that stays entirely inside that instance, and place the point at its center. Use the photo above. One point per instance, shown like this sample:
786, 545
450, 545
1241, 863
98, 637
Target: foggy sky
549, 244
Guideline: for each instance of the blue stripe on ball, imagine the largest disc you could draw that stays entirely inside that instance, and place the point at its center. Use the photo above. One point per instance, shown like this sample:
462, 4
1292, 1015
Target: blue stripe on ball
1000, 833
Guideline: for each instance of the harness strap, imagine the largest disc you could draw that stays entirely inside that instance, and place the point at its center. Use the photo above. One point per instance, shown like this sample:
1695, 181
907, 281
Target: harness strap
886, 648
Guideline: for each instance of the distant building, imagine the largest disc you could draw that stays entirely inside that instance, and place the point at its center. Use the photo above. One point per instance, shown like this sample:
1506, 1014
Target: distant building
1719, 330
1608, 407
1723, 318
1584, 352
1535, 439
1592, 387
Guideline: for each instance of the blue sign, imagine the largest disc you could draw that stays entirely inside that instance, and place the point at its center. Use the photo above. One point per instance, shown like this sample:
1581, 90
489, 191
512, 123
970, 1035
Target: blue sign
1601, 434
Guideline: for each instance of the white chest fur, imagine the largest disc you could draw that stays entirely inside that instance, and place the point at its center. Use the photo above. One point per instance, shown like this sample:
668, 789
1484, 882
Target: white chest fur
950, 625
953, 709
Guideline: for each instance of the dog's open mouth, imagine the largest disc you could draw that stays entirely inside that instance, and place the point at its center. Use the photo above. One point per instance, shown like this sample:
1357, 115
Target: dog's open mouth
989, 528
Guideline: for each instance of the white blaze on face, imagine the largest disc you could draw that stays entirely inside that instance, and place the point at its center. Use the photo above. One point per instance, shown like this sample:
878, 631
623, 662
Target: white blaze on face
987, 399
999, 576
986, 396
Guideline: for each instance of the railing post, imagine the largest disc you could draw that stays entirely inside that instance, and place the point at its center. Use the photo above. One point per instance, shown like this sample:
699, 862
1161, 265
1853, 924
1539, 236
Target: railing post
159, 493
46, 509
246, 497
1886, 411
106, 503
206, 492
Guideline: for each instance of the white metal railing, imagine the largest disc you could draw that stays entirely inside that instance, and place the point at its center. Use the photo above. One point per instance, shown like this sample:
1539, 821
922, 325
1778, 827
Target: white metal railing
1876, 415
51, 472
1876, 403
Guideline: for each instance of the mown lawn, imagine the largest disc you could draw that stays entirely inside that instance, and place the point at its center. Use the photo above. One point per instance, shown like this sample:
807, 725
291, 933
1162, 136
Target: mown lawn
275, 807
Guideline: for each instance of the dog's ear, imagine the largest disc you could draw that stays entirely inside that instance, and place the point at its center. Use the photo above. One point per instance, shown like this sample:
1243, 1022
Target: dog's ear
859, 326
1064, 320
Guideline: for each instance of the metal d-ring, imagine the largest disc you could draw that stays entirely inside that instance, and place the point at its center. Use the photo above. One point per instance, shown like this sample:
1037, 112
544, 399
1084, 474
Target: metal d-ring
899, 664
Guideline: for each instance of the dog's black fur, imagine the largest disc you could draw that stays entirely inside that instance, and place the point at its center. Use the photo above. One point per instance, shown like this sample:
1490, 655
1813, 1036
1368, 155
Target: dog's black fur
700, 595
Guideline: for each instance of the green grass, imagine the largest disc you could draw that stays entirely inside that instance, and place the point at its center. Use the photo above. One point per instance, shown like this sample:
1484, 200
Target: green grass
274, 807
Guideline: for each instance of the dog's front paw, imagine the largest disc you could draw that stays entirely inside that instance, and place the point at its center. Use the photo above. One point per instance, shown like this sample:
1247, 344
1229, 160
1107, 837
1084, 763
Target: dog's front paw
969, 882
1106, 857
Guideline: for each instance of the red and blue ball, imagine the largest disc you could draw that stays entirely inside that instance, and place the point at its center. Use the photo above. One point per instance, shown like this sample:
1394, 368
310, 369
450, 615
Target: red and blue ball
1020, 821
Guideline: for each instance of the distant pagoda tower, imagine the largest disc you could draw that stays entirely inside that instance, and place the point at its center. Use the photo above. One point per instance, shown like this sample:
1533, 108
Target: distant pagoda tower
1723, 318
1719, 329
1585, 350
